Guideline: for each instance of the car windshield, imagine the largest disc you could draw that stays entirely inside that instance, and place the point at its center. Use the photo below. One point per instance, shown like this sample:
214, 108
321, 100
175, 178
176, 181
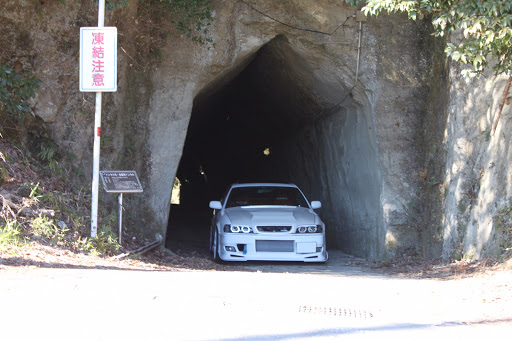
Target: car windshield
266, 195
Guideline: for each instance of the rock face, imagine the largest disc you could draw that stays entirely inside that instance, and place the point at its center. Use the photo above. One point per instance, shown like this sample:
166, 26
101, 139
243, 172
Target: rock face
389, 139
478, 176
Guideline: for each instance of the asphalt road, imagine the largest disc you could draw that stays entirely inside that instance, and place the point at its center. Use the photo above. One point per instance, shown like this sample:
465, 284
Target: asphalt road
277, 302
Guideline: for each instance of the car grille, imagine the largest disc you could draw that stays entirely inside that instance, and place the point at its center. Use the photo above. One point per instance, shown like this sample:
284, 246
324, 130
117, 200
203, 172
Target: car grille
274, 228
274, 246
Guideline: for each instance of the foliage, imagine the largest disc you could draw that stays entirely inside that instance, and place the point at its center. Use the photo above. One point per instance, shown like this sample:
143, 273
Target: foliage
48, 230
105, 243
36, 191
111, 5
191, 18
486, 27
47, 2
47, 155
503, 230
10, 231
15, 92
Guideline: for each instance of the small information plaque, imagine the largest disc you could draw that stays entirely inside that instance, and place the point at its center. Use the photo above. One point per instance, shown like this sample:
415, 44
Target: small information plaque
120, 182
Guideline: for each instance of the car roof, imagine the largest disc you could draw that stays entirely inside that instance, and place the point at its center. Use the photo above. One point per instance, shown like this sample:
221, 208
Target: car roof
258, 184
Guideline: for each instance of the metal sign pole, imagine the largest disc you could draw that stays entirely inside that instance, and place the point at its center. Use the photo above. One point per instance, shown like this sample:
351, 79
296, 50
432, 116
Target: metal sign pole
97, 135
120, 215
120, 182
96, 166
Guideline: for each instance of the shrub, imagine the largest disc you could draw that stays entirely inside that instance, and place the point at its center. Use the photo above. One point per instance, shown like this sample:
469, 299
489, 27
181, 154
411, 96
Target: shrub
15, 92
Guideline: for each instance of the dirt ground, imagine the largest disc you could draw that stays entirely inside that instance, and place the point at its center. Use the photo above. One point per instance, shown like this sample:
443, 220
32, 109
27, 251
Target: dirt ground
131, 299
43, 255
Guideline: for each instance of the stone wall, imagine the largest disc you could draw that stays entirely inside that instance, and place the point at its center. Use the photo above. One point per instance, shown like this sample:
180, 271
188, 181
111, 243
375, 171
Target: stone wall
478, 176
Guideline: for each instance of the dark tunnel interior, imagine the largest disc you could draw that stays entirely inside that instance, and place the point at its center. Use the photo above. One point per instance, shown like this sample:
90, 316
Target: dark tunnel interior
275, 120
234, 136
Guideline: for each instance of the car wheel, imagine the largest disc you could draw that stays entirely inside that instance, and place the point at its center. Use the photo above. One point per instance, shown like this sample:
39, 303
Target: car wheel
215, 247
212, 236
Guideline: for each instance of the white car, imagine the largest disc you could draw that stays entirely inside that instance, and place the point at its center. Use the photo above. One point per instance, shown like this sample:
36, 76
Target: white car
269, 222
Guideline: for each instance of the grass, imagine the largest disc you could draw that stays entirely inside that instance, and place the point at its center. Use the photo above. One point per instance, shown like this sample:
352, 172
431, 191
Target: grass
503, 231
10, 231
18, 233
46, 228
64, 208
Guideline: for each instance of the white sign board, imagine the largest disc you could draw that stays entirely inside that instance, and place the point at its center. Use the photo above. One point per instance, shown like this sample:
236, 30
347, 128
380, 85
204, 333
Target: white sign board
98, 59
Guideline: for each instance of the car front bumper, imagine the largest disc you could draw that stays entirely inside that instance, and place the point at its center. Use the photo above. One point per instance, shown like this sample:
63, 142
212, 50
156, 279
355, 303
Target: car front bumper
272, 247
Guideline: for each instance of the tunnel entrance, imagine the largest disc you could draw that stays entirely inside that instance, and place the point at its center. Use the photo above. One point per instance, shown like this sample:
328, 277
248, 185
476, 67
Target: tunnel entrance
275, 121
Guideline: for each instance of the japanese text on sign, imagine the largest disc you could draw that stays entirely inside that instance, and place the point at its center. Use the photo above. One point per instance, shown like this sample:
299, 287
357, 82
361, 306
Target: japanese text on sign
120, 182
98, 59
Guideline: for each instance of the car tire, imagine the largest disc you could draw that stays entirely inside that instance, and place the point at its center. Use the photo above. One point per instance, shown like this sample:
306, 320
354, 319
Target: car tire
215, 247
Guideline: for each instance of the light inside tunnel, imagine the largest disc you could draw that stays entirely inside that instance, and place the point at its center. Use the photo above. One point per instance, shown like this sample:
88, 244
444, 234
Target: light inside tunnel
176, 189
279, 100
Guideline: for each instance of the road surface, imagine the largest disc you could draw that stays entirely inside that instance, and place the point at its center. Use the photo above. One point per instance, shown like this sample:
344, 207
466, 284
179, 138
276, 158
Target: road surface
269, 302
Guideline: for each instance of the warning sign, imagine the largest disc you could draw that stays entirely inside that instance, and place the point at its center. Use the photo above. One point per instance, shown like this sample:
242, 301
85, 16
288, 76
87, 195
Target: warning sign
98, 59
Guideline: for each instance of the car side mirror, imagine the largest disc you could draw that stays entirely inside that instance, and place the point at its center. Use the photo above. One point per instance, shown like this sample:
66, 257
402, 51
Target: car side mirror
316, 204
216, 205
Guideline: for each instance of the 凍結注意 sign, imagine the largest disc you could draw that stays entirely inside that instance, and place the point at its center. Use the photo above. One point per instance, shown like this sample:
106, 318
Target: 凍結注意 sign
98, 59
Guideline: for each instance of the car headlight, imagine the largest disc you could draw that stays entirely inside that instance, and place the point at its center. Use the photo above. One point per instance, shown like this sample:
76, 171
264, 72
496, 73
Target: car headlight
237, 229
309, 229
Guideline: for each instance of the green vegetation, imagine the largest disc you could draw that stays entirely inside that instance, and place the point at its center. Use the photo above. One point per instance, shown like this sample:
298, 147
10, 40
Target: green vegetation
192, 18
503, 231
46, 228
485, 25
111, 5
40, 184
105, 242
19, 232
41, 207
10, 231
15, 92
47, 155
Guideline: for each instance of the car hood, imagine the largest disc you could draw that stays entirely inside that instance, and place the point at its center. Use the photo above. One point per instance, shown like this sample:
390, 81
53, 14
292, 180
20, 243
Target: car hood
271, 215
